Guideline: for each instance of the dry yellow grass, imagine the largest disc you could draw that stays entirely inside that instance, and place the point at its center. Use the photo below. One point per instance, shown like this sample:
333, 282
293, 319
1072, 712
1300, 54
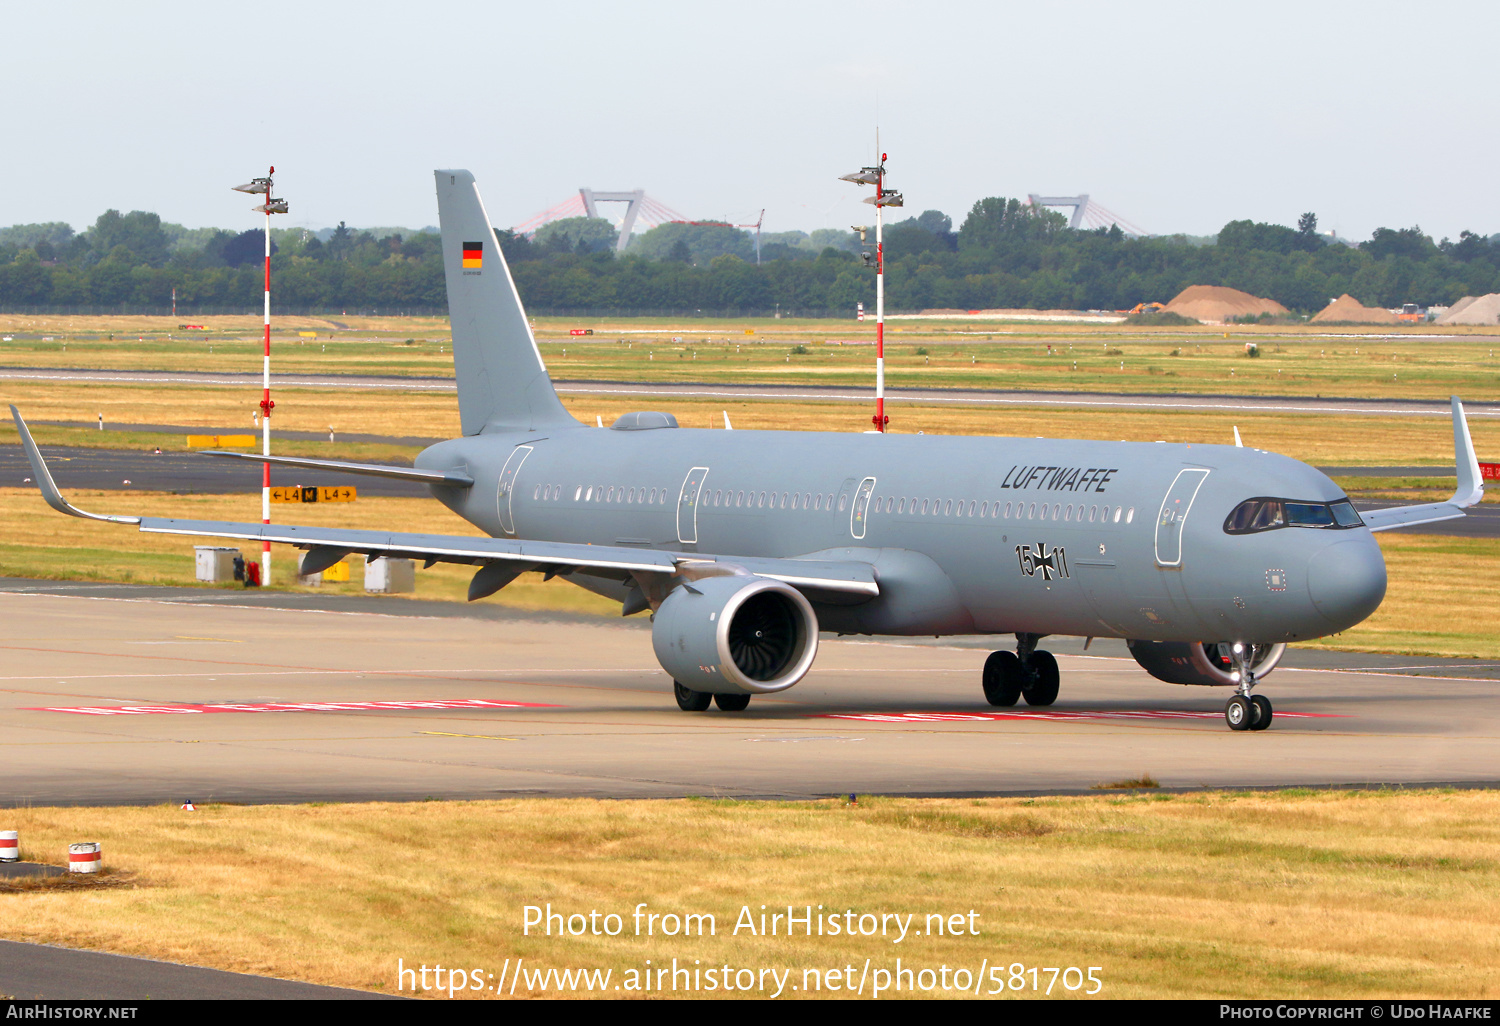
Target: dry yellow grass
408, 413
1110, 358
1292, 894
1314, 439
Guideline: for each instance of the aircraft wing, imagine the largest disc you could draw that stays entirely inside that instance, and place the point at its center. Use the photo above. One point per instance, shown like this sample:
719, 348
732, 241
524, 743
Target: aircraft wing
327, 545
456, 478
1470, 488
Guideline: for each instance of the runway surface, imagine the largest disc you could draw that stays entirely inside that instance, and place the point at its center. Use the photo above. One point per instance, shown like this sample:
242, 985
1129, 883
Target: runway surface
729, 392
41, 972
114, 694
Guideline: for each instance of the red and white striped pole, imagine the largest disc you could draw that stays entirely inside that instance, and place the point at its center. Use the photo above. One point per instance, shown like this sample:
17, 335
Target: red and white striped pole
269, 207
881, 420
883, 198
265, 403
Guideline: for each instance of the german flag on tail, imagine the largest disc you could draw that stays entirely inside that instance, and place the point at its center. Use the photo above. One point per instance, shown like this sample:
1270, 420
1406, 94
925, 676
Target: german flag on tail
473, 256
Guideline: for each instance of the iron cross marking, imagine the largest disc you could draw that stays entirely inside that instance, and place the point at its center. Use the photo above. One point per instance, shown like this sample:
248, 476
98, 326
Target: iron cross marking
1051, 563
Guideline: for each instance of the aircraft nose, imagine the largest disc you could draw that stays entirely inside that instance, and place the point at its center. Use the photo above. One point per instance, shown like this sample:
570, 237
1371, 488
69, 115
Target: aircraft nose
1346, 581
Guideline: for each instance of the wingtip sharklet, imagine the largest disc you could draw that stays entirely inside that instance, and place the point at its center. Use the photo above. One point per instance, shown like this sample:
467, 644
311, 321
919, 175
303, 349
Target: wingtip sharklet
48, 487
1470, 488
1469, 492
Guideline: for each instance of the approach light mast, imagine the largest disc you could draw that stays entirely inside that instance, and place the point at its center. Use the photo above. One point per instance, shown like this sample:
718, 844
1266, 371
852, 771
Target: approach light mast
883, 198
262, 186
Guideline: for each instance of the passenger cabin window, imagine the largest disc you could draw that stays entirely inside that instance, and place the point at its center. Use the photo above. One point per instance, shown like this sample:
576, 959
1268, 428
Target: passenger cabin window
1267, 514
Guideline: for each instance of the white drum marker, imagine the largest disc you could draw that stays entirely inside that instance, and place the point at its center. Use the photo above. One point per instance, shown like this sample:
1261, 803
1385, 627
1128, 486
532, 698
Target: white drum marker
84, 858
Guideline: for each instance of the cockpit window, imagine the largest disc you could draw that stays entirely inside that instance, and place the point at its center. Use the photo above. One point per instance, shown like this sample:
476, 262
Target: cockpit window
1266, 514
1308, 514
1345, 515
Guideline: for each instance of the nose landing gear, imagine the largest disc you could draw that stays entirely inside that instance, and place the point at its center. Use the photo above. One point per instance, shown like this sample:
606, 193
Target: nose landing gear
1029, 673
1246, 711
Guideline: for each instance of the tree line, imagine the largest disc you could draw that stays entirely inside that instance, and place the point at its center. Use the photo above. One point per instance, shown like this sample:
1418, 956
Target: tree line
1004, 254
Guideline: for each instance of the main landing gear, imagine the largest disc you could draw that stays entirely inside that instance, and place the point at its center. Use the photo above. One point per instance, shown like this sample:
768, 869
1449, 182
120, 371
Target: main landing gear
689, 700
1028, 672
1246, 711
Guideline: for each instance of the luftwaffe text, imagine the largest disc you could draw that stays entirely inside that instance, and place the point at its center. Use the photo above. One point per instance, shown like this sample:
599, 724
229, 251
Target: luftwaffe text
1059, 479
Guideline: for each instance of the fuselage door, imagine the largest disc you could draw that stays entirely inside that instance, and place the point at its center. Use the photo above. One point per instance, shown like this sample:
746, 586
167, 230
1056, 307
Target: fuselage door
861, 507
687, 506
1174, 512
508, 487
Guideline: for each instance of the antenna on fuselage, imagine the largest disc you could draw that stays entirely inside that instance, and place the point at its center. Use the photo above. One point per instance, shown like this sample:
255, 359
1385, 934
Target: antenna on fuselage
1237, 442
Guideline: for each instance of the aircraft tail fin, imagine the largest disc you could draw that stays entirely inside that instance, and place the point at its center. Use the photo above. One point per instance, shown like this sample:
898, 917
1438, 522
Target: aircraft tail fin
502, 382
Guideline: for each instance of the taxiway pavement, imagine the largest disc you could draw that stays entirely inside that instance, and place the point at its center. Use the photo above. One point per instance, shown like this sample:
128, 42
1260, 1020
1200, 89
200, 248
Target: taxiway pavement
114, 694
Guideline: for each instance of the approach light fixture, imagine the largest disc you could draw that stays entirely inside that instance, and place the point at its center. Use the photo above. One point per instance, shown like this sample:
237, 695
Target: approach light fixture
254, 185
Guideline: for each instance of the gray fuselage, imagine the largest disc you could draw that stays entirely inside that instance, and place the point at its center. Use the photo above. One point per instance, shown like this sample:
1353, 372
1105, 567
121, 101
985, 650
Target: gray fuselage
984, 535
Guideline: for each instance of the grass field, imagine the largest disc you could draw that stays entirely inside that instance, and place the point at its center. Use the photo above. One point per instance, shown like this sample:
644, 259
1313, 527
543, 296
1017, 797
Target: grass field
1416, 362
1296, 894
1317, 439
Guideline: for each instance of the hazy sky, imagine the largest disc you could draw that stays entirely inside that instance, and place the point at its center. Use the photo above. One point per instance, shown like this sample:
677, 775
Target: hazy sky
1176, 116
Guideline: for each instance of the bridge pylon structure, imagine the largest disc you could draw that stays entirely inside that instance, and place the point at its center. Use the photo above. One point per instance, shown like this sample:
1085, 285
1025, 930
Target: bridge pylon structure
639, 208
1086, 213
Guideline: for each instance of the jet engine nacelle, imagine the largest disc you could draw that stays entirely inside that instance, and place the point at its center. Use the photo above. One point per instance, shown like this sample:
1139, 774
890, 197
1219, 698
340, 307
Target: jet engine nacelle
735, 635
1179, 662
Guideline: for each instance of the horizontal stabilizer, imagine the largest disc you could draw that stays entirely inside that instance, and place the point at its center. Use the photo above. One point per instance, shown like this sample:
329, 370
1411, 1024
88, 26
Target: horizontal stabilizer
455, 478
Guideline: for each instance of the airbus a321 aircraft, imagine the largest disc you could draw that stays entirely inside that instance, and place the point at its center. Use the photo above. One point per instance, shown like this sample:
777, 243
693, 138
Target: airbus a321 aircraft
1208, 559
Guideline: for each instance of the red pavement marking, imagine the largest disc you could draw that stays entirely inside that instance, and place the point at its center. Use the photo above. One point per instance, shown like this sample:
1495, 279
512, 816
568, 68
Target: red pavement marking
262, 707
1122, 714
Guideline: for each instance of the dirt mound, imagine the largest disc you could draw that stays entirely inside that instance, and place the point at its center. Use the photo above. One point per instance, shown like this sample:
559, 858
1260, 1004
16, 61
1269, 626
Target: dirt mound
1348, 309
1484, 310
1457, 308
1216, 304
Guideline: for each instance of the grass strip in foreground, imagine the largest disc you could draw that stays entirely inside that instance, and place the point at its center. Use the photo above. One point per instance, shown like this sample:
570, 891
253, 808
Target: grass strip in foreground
1301, 893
